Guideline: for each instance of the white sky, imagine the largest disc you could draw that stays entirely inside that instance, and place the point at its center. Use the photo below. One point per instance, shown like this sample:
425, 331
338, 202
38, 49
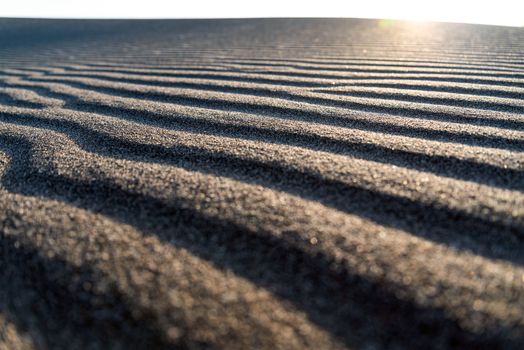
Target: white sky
501, 12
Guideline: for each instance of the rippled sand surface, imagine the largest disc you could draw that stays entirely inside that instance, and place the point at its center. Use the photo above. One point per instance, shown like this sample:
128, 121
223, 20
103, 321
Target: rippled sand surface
261, 184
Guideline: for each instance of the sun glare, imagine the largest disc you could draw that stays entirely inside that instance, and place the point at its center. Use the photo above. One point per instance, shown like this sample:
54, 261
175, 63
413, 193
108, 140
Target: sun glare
489, 12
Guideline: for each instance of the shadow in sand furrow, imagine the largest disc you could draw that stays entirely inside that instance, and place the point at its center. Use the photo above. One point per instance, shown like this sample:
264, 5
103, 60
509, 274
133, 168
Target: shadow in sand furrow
330, 60
342, 71
485, 237
8, 100
3, 73
296, 69
344, 66
236, 78
296, 96
225, 63
196, 69
207, 69
443, 88
358, 310
383, 50
437, 101
66, 312
278, 112
276, 77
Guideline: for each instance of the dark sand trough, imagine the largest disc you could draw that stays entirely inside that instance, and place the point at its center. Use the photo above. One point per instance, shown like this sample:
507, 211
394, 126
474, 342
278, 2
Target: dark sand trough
261, 184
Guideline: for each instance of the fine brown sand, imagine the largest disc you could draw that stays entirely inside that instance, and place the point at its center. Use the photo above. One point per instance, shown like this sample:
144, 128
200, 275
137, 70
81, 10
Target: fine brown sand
261, 184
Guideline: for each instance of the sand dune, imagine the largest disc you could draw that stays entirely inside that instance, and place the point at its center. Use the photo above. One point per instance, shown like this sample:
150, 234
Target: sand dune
261, 184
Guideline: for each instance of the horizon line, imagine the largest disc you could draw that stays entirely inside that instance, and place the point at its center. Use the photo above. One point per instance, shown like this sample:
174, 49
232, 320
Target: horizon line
256, 17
